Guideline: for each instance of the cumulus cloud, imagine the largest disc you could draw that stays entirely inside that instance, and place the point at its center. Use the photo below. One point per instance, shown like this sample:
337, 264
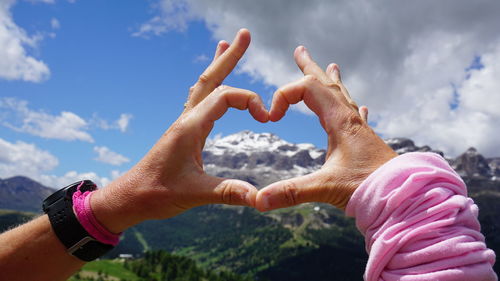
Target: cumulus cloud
201, 58
66, 126
43, 1
26, 159
121, 124
74, 176
172, 15
22, 158
408, 61
15, 62
105, 155
55, 24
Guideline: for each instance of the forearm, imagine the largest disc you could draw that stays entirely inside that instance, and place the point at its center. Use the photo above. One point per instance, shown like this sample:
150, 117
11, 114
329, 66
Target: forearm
33, 252
419, 223
166, 182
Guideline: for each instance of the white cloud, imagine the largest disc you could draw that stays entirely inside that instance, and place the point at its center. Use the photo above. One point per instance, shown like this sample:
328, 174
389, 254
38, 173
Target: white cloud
15, 62
55, 24
403, 59
173, 15
123, 122
105, 155
74, 176
22, 158
454, 118
27, 159
66, 126
201, 58
120, 124
43, 1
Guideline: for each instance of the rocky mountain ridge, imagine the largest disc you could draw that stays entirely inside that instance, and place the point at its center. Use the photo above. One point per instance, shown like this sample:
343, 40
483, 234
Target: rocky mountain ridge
270, 245
22, 194
263, 158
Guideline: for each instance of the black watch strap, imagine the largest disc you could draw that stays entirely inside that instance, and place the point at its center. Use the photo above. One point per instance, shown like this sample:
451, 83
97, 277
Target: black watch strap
78, 242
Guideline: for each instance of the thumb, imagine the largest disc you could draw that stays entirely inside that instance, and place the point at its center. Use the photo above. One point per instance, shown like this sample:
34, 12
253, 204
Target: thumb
229, 191
313, 187
320, 186
363, 112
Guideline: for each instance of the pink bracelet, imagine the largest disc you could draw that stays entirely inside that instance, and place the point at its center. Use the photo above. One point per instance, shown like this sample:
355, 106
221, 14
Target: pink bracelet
84, 214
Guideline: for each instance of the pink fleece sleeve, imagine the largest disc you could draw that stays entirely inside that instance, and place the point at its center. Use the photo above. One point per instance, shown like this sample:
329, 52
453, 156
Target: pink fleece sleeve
419, 223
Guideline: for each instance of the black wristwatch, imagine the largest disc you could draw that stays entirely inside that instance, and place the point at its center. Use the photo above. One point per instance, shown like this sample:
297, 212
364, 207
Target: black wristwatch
78, 242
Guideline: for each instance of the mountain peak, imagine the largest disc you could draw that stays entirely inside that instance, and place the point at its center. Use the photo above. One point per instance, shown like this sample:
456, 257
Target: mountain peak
471, 151
22, 193
405, 145
249, 142
259, 158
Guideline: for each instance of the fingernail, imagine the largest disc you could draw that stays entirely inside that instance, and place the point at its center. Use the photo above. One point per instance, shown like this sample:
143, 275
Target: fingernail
336, 72
335, 69
305, 52
329, 68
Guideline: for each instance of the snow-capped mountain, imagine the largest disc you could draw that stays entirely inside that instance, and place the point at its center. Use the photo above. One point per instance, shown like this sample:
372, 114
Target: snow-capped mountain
260, 158
249, 142
263, 158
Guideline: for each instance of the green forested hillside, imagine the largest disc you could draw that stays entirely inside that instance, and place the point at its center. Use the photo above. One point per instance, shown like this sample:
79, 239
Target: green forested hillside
10, 218
153, 266
285, 244
307, 242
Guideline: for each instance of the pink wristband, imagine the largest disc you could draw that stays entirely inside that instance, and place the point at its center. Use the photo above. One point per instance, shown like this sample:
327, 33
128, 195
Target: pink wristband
83, 211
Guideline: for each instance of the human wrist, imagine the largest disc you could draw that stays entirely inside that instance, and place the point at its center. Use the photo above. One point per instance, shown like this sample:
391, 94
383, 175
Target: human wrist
83, 212
113, 207
364, 158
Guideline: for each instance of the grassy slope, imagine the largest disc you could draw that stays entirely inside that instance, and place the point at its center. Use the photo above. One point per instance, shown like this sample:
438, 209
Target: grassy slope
113, 268
10, 219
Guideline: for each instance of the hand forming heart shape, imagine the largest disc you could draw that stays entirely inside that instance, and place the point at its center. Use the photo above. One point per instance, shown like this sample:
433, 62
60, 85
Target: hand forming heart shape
170, 179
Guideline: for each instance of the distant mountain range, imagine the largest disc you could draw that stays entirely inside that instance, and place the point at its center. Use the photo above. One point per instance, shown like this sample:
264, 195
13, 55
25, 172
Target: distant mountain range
287, 244
265, 158
261, 159
22, 194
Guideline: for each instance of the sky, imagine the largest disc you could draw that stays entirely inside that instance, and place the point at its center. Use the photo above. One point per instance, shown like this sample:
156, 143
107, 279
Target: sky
87, 87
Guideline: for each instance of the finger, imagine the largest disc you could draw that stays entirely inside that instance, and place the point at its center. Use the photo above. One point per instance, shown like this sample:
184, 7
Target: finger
308, 66
314, 94
314, 187
227, 191
223, 98
363, 112
222, 46
219, 69
333, 71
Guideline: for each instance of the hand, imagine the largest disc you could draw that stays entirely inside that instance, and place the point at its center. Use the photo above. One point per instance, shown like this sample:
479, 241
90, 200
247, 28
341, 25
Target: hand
354, 150
170, 179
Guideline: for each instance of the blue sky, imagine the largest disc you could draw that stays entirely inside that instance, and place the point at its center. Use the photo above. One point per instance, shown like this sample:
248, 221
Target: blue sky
87, 87
98, 70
